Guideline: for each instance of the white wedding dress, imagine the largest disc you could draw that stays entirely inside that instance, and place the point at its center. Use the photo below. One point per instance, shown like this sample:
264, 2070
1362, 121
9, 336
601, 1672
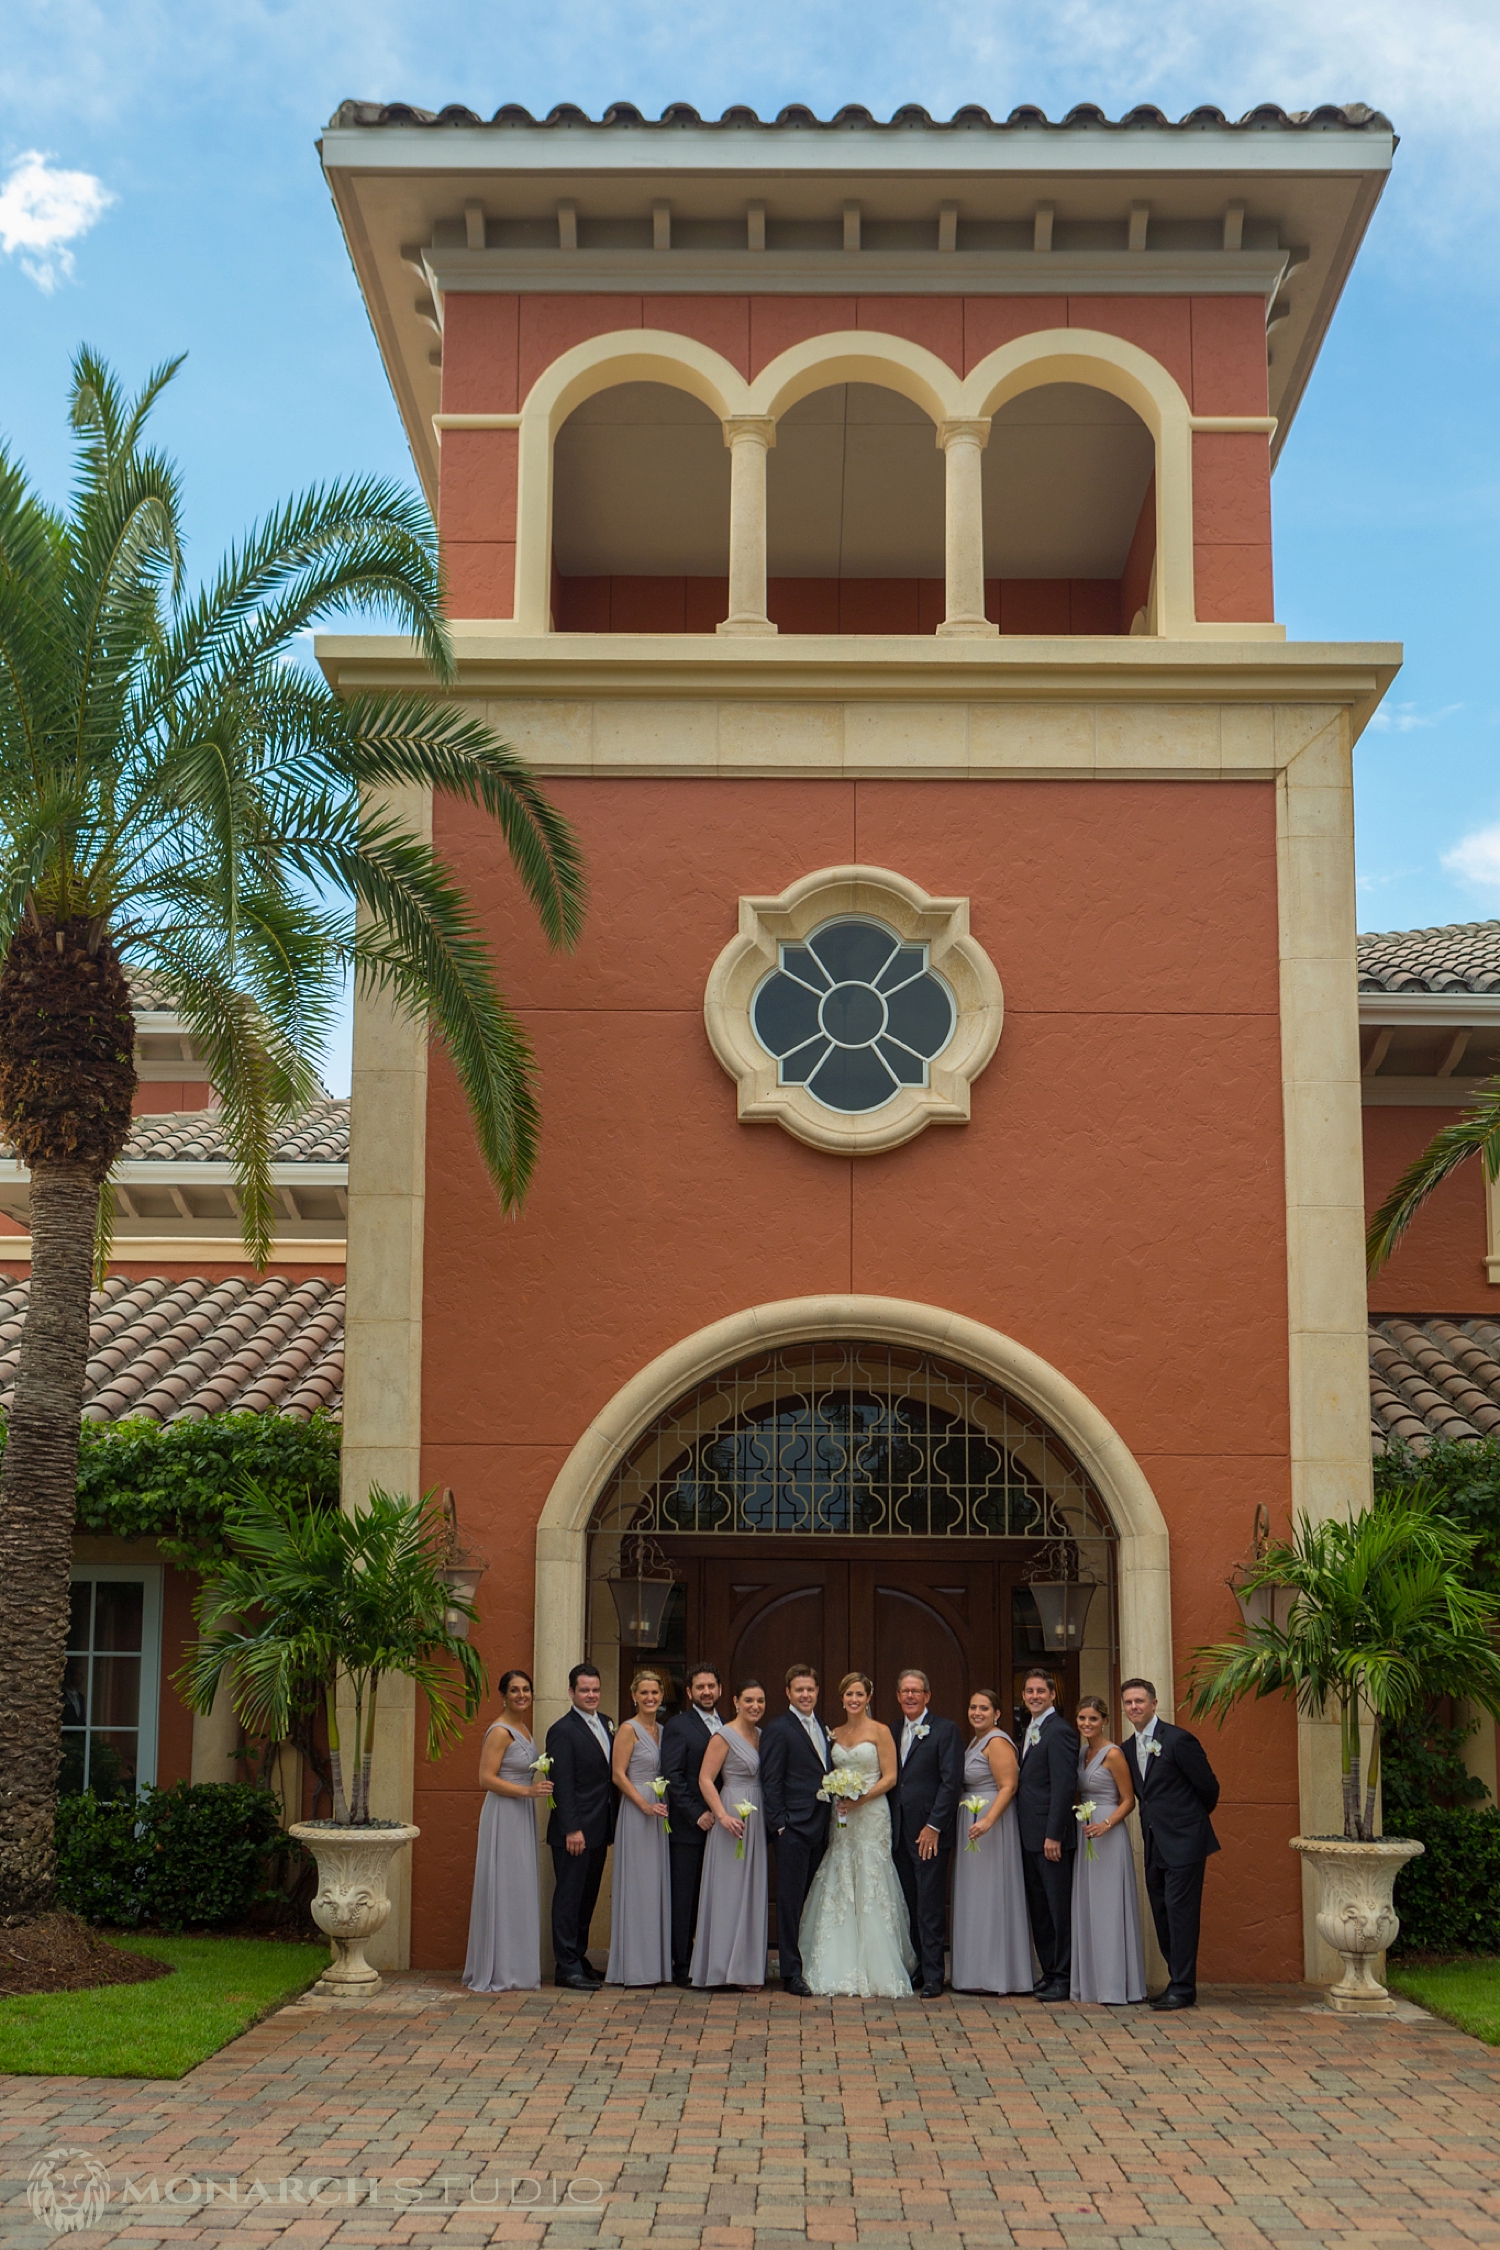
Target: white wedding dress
855, 1937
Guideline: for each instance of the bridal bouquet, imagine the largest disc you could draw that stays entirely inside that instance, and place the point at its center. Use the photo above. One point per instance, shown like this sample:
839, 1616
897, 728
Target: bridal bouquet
659, 1791
1082, 1814
744, 1811
543, 1766
973, 1806
845, 1785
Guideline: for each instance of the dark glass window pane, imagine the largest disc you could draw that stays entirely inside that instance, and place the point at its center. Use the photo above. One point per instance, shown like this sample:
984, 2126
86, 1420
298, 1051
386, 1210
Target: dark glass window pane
921, 1016
785, 1014
909, 1068
798, 1068
798, 962
112, 1764
80, 1612
117, 1691
70, 1773
852, 1079
119, 1612
853, 949
76, 1691
853, 1015
904, 963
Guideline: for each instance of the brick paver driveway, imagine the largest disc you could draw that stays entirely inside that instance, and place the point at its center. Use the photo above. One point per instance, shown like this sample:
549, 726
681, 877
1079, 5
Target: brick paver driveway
740, 2122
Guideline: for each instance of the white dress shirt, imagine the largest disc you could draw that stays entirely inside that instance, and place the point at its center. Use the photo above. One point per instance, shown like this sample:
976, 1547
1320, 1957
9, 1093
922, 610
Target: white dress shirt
596, 1727
711, 1719
1033, 1731
909, 1731
815, 1733
1143, 1736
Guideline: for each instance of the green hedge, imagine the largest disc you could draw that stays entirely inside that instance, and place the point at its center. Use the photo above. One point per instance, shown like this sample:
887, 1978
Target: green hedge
1449, 1899
196, 1856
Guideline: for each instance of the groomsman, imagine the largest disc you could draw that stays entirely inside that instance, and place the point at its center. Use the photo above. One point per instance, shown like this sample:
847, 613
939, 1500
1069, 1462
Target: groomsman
1049, 1832
683, 1742
794, 1759
582, 1825
1175, 1791
924, 1817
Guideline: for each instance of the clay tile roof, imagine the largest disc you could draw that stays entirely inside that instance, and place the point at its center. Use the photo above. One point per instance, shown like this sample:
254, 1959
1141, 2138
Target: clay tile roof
1433, 1378
1456, 957
196, 1136
176, 1350
1331, 117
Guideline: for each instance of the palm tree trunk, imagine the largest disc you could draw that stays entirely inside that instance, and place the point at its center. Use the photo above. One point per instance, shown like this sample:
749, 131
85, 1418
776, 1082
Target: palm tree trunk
38, 1496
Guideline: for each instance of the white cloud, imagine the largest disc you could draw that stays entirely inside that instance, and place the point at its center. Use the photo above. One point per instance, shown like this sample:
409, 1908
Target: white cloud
43, 211
1405, 718
1476, 858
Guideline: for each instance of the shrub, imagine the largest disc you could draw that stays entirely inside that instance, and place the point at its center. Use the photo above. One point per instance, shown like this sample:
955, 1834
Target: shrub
173, 1481
1449, 1899
197, 1855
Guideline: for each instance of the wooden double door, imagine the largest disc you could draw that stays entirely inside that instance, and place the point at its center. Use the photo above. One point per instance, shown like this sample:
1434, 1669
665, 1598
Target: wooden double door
956, 1610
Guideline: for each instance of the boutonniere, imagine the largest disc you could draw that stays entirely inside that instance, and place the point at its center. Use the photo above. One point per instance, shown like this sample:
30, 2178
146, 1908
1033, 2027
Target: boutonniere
1033, 1735
919, 1734
1152, 1748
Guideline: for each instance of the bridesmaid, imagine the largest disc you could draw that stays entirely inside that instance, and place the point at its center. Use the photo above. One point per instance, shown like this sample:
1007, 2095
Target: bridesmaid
991, 1935
731, 1943
505, 1919
640, 1911
1109, 1964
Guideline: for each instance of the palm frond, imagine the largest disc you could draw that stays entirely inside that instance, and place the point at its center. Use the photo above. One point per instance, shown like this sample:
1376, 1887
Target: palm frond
1476, 1133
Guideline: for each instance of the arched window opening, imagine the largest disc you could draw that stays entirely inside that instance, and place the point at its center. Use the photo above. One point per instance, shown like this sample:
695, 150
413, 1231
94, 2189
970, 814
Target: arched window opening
1069, 513
854, 504
640, 514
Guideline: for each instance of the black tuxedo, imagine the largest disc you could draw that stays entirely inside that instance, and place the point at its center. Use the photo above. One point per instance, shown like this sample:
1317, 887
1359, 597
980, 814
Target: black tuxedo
1045, 1799
791, 1774
684, 1739
928, 1782
584, 1798
1174, 1796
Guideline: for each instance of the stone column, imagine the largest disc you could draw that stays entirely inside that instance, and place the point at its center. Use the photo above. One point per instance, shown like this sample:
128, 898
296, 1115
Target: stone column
749, 438
963, 442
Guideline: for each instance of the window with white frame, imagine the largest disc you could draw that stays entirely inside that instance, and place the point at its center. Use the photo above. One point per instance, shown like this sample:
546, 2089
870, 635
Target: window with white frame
112, 1679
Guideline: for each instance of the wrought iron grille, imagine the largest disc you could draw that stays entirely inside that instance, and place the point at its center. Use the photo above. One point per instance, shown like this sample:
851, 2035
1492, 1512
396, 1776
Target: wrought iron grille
834, 1439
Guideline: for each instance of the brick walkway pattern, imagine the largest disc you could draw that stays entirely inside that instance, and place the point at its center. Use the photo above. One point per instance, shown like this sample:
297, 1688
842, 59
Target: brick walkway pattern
726, 2122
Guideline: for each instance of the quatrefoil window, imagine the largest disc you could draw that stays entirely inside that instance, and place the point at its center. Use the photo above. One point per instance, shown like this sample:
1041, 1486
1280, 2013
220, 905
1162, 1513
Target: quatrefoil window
853, 1014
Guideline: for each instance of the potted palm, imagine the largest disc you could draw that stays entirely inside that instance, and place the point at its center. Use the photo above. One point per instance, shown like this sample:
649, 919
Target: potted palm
315, 1606
1380, 1613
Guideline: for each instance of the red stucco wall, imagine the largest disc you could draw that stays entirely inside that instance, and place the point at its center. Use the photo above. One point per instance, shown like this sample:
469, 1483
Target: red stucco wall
1439, 1267
1116, 1202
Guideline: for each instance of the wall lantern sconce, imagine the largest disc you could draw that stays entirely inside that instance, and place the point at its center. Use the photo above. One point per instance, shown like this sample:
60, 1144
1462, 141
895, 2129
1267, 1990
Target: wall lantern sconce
1062, 1598
461, 1572
641, 1601
1270, 1602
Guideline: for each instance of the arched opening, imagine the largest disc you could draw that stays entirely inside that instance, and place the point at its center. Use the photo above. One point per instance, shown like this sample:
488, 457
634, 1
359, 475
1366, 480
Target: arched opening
858, 1504
640, 514
854, 509
1069, 513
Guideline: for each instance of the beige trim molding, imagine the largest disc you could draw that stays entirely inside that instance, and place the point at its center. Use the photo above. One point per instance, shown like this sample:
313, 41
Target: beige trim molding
184, 1249
941, 924
1143, 1551
441, 422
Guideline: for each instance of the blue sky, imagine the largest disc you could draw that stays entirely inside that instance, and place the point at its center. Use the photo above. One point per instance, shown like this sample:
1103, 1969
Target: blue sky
159, 192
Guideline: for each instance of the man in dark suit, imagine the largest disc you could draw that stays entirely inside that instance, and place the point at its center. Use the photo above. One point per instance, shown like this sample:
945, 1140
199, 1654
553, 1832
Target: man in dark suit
1049, 1832
1175, 1791
683, 1742
924, 1817
582, 1825
794, 1759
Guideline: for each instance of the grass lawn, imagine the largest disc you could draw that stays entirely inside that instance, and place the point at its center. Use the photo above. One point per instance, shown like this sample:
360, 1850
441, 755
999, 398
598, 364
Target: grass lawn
1464, 1992
161, 2029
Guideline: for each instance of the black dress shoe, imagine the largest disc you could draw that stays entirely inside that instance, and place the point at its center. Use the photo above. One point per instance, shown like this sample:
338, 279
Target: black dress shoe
684, 1982
572, 1983
595, 1976
1055, 1991
799, 1985
1167, 2003
1039, 1988
932, 1991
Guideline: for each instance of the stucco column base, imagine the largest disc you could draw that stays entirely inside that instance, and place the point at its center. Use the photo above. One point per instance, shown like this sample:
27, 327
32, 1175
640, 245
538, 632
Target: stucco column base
216, 1738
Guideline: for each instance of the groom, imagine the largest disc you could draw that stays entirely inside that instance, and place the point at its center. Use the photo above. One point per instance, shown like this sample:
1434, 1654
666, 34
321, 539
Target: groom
924, 1816
1175, 1791
793, 1762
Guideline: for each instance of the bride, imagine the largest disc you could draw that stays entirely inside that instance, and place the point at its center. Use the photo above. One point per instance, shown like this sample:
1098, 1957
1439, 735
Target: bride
855, 1935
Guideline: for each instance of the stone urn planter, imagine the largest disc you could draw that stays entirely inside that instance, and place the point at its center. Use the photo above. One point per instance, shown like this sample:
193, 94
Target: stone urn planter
352, 1901
1355, 1913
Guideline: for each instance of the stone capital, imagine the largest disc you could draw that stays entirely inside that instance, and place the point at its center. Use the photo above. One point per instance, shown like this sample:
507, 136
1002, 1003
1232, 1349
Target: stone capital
964, 430
760, 429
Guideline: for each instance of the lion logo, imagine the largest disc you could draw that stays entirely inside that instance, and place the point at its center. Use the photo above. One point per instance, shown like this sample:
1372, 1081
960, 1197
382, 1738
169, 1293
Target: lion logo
68, 2190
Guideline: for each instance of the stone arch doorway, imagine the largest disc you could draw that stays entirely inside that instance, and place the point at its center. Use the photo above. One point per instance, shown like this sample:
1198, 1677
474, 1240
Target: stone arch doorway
1056, 1453
857, 1505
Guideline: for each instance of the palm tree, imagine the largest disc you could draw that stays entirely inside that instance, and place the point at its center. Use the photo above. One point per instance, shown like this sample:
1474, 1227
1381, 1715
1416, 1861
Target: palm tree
1476, 1133
308, 1594
178, 798
1382, 1616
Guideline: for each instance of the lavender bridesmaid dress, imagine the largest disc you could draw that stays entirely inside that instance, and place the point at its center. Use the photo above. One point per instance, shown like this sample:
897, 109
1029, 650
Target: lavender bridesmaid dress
731, 1943
640, 1908
505, 1915
1109, 1963
991, 1936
